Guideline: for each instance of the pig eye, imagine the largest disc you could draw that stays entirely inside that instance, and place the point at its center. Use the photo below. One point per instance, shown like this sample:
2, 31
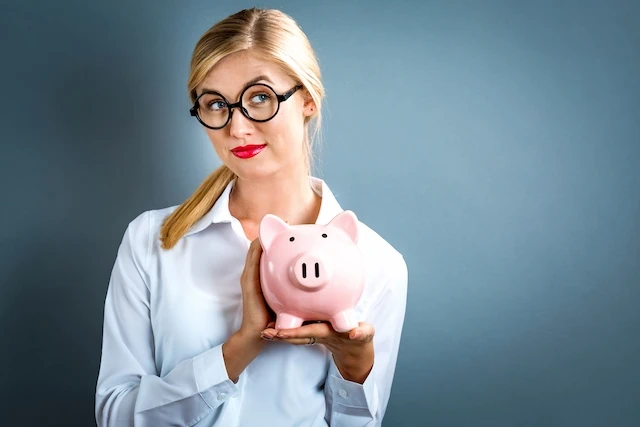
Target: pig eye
324, 235
291, 239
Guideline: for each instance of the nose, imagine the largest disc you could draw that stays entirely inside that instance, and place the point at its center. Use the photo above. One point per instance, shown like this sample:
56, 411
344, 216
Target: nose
310, 271
239, 125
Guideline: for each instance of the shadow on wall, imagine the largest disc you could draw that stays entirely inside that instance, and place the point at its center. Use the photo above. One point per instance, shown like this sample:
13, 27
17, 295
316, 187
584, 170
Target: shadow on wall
52, 311
75, 183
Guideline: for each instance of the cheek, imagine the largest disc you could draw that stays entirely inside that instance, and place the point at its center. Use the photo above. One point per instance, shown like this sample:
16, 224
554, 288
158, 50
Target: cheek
216, 141
287, 139
288, 129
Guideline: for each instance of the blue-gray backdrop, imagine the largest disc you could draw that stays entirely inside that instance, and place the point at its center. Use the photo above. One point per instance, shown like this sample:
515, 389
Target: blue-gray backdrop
496, 144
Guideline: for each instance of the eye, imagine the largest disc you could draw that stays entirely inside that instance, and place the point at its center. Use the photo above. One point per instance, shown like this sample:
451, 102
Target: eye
291, 239
324, 235
259, 98
217, 105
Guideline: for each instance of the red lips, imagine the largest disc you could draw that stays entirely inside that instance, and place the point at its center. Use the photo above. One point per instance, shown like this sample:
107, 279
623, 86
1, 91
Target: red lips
248, 151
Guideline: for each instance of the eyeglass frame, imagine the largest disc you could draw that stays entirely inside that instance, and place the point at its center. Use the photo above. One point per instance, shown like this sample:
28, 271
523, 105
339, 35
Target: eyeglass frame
281, 98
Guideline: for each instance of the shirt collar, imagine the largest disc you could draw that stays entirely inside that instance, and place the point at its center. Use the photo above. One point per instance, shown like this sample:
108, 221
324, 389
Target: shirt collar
219, 213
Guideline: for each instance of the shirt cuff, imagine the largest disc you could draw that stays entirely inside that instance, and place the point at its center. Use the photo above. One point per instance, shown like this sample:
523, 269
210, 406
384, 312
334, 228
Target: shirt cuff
211, 377
348, 396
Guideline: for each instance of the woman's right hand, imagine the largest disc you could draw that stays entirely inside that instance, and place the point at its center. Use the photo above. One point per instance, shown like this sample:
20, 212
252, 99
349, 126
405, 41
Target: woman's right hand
256, 315
245, 345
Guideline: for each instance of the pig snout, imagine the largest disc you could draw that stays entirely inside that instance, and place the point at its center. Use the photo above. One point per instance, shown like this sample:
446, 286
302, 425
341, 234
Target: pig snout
311, 271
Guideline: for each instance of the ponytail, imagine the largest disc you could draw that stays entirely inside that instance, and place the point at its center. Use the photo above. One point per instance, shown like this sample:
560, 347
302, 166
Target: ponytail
195, 207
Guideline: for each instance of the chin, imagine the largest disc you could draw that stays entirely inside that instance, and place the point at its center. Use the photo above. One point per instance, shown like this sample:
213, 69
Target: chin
263, 166
255, 171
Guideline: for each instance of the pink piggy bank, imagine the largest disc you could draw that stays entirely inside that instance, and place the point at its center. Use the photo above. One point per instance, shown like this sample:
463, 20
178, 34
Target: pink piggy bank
312, 271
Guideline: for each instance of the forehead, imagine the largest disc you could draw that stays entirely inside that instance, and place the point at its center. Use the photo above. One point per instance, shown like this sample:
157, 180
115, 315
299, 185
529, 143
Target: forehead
231, 75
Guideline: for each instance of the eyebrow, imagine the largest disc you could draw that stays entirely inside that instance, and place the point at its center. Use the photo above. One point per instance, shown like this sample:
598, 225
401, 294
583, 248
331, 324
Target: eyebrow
249, 83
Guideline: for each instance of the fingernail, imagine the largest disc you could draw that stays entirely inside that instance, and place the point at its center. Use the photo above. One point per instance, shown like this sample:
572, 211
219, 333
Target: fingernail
281, 335
266, 336
356, 335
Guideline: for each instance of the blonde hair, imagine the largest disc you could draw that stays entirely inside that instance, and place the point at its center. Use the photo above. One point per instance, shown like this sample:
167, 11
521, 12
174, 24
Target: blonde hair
272, 36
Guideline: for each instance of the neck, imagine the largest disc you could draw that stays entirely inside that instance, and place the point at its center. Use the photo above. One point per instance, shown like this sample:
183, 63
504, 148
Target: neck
289, 196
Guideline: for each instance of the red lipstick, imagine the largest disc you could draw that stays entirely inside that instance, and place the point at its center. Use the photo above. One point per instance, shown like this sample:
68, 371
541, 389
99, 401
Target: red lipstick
248, 151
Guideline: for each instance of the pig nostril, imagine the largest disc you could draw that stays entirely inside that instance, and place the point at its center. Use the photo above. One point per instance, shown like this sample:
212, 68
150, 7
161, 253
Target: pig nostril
304, 270
317, 270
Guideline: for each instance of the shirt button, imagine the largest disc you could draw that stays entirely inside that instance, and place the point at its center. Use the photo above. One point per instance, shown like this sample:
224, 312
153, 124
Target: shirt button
343, 393
222, 396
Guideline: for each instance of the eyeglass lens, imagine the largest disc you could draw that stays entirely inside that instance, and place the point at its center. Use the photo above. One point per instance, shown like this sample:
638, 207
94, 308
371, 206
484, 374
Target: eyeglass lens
258, 101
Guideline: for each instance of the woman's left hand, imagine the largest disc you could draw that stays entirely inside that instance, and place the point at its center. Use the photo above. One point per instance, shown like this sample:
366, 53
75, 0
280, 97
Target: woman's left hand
352, 351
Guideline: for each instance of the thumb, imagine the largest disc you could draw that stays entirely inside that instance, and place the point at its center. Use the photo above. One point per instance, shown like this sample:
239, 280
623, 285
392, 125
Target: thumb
364, 332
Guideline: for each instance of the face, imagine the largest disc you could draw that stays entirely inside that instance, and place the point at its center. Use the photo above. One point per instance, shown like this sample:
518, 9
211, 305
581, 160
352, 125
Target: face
279, 142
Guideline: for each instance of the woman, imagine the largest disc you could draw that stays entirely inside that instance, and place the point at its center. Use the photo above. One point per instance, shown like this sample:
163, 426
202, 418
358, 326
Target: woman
188, 338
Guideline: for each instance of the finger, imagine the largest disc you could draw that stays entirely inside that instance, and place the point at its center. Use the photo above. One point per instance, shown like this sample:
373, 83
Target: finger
253, 254
251, 269
364, 332
269, 333
317, 330
255, 249
299, 341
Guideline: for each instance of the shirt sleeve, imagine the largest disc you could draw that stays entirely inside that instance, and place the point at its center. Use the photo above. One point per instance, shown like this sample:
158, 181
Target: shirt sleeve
351, 404
129, 391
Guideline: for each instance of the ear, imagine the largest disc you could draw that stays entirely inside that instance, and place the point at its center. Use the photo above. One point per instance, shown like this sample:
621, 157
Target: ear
348, 222
310, 107
270, 226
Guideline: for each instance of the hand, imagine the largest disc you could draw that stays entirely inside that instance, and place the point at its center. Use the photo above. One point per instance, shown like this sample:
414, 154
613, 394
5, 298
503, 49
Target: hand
256, 315
245, 345
352, 351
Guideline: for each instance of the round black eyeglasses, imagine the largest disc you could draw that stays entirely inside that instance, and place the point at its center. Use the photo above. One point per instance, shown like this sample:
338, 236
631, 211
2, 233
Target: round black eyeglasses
258, 102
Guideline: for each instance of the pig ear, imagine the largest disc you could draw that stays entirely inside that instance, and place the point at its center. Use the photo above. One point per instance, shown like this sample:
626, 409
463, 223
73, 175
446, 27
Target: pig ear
348, 222
270, 226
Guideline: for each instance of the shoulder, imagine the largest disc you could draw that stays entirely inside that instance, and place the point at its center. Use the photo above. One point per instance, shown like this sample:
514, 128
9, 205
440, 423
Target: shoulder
383, 260
145, 227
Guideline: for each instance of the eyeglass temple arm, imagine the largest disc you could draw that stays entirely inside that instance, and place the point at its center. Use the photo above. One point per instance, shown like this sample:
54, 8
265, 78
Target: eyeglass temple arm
286, 95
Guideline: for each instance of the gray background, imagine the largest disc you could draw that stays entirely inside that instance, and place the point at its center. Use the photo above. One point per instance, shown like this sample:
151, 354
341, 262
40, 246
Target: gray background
495, 144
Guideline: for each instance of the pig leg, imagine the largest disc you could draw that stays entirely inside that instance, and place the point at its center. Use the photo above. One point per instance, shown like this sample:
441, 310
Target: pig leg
345, 321
287, 321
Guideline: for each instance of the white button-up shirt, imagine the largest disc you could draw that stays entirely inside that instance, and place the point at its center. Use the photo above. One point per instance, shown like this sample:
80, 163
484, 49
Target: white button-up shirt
168, 312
